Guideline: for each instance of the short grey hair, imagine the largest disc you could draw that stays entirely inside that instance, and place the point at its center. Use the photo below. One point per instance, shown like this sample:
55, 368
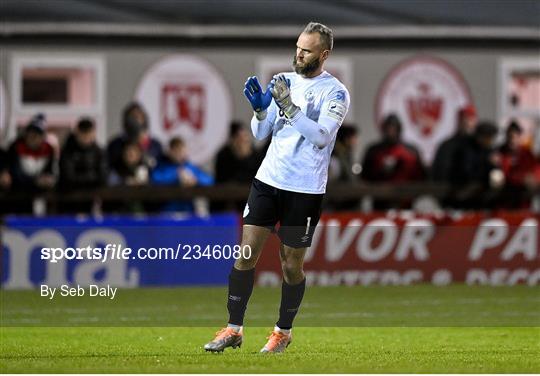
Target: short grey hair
325, 33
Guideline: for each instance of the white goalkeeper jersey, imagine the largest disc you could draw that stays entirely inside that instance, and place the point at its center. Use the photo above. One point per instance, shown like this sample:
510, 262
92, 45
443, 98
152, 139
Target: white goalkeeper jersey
292, 162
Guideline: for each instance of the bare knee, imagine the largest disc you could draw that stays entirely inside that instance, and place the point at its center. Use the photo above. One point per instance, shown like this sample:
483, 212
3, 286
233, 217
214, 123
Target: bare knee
253, 238
293, 272
292, 264
246, 263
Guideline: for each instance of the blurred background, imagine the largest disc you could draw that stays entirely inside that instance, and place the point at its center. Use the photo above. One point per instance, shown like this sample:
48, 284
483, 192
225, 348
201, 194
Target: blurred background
116, 113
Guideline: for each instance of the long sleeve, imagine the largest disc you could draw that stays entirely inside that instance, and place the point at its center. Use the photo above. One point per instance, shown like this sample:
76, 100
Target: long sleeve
165, 174
320, 134
263, 128
203, 179
333, 111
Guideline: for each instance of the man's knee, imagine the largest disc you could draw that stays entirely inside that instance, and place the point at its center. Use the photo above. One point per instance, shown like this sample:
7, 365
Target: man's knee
246, 263
253, 237
293, 272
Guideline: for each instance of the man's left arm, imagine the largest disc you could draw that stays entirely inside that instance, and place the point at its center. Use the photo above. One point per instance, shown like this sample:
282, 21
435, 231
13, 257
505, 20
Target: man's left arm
333, 111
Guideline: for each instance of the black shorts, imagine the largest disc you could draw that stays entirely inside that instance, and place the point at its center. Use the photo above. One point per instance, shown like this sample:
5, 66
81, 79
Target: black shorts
297, 213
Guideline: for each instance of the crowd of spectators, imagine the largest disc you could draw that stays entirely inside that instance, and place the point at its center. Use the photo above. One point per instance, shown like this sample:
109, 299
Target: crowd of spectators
470, 161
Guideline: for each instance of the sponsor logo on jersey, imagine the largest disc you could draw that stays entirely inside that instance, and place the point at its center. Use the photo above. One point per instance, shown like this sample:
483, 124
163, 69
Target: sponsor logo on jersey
336, 110
426, 93
187, 97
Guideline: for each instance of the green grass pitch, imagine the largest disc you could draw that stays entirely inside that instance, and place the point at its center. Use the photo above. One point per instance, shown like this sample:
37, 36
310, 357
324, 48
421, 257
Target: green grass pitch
339, 330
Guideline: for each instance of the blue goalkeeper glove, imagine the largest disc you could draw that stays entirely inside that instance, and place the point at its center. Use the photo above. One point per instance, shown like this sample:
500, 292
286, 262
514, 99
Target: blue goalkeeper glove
258, 99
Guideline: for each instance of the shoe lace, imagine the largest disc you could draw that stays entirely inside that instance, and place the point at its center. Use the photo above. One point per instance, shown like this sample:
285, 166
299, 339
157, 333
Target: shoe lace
275, 339
225, 332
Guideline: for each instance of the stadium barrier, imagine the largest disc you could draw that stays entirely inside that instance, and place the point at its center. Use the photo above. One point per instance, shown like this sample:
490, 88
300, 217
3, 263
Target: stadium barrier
400, 248
393, 248
230, 194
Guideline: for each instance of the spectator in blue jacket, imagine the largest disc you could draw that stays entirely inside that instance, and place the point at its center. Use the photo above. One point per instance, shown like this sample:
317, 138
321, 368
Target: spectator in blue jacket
174, 168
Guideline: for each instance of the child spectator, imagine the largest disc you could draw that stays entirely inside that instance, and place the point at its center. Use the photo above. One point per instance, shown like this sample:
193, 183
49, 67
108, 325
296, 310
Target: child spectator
175, 169
132, 169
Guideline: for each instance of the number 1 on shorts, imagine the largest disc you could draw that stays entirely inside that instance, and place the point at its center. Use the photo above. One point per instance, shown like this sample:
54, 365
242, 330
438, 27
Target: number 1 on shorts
307, 225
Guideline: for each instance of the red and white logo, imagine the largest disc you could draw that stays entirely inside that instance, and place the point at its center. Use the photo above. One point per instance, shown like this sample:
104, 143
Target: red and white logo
426, 93
183, 105
185, 96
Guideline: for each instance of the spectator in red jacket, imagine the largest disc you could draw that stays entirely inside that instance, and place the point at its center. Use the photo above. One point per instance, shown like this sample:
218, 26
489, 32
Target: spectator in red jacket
31, 158
518, 165
391, 160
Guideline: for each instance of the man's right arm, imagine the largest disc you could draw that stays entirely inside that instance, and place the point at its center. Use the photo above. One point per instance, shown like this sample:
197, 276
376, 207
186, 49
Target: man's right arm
262, 124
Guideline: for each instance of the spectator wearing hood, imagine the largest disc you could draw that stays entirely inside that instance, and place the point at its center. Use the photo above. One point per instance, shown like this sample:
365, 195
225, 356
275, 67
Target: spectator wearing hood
135, 130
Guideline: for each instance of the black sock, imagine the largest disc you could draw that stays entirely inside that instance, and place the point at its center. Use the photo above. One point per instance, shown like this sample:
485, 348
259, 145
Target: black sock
240, 287
291, 298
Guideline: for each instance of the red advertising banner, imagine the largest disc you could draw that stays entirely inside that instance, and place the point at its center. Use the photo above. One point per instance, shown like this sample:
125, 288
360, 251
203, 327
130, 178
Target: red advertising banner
404, 248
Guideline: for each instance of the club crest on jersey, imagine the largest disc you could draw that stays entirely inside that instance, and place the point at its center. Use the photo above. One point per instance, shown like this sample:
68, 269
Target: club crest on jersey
340, 96
309, 96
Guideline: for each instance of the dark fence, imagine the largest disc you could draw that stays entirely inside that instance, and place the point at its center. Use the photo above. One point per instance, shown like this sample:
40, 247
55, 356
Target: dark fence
231, 196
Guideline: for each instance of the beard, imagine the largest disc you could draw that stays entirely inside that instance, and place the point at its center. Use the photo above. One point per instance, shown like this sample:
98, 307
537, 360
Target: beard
308, 68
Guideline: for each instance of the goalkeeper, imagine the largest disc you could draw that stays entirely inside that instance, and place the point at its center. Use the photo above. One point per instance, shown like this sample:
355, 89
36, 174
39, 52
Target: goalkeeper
301, 111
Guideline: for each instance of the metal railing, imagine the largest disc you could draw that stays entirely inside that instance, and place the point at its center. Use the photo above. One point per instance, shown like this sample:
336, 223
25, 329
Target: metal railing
228, 196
